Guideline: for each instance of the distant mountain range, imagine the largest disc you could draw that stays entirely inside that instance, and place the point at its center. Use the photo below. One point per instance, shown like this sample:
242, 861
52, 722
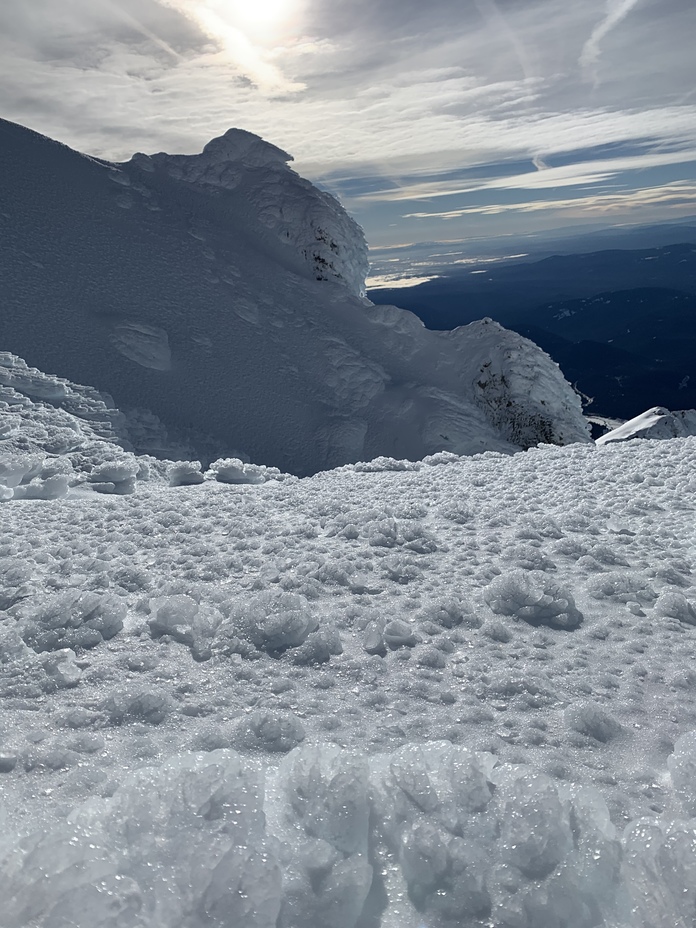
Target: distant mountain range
621, 323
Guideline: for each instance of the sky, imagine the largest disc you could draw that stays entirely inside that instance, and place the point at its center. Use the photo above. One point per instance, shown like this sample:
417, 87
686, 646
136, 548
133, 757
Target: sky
443, 122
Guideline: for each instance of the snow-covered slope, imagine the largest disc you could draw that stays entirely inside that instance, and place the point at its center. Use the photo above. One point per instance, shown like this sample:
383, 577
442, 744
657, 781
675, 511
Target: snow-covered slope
657, 422
223, 293
454, 693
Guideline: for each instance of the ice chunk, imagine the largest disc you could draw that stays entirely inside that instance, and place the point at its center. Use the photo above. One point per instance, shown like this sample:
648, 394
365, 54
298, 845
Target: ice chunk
61, 667
682, 767
593, 721
659, 873
191, 835
534, 598
319, 806
399, 634
55, 487
25, 477
429, 803
233, 470
17, 470
675, 605
70, 620
559, 856
319, 647
373, 641
185, 473
116, 476
272, 621
270, 731
536, 832
449, 612
144, 705
173, 615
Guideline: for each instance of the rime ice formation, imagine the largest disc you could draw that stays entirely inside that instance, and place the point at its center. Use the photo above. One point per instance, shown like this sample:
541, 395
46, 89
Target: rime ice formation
271, 198
657, 422
222, 292
451, 693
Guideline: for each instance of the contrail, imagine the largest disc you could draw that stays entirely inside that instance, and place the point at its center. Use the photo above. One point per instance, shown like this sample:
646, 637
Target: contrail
490, 12
143, 30
617, 10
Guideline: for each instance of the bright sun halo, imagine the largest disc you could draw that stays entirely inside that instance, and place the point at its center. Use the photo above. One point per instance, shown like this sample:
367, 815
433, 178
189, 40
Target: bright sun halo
261, 14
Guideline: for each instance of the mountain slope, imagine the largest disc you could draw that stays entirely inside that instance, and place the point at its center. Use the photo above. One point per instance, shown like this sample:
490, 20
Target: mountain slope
223, 293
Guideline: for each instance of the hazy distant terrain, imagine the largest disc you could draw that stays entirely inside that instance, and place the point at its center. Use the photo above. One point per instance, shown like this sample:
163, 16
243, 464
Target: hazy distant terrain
621, 323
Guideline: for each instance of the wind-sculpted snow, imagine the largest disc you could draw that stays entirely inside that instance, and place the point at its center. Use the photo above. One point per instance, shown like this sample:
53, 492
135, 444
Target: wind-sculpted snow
453, 693
221, 292
655, 423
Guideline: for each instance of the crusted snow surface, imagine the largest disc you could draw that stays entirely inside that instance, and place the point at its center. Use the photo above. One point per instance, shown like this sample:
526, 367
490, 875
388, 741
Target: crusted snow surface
657, 423
221, 292
453, 693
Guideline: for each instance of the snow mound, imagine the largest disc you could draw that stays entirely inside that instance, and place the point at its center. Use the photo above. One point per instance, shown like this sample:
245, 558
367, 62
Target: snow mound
528, 401
656, 423
222, 294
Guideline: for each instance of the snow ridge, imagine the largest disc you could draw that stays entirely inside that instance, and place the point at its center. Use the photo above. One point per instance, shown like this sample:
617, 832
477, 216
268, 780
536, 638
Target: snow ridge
656, 423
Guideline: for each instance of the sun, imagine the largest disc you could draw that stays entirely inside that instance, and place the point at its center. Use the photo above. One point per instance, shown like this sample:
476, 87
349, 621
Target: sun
260, 16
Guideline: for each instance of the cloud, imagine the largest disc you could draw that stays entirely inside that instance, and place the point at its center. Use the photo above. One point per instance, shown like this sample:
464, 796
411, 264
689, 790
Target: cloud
681, 194
492, 13
142, 28
239, 43
617, 10
406, 95
581, 173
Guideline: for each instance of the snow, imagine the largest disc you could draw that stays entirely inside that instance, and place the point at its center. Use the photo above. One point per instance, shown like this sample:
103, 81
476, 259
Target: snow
437, 684
448, 692
656, 423
216, 300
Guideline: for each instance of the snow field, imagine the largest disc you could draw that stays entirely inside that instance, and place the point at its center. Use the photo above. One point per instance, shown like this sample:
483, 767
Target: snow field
455, 692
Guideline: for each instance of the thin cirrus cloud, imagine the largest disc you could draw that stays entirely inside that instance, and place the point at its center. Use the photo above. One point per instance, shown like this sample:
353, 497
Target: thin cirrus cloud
380, 101
549, 178
681, 193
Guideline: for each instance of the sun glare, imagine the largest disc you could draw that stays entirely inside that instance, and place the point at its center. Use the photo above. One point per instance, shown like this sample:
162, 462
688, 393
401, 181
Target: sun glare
247, 33
260, 15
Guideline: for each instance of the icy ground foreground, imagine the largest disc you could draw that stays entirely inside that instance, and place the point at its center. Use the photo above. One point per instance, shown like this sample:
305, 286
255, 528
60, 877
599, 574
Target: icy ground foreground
452, 693
223, 293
